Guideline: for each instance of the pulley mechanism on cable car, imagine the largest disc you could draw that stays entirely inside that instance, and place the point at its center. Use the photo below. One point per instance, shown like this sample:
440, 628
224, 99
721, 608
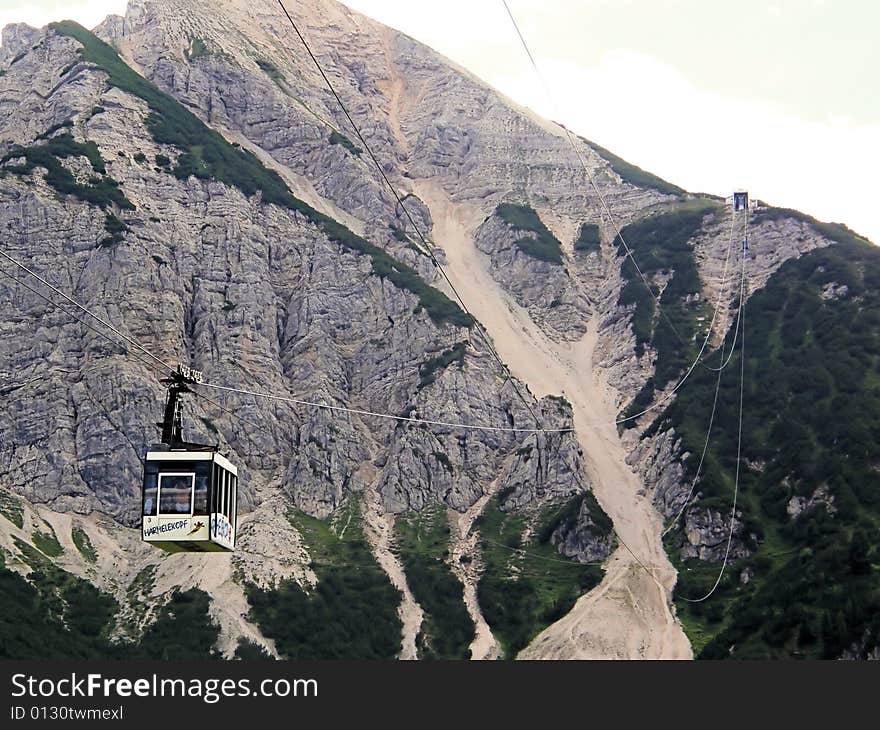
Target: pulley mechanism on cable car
190, 492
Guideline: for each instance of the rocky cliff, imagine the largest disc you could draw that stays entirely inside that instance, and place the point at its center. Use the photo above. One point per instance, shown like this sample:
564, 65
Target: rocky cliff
184, 174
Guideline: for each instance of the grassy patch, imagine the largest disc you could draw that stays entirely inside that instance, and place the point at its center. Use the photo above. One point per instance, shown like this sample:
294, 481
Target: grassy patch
271, 70
115, 227
11, 509
588, 239
537, 250
634, 175
143, 582
422, 542
341, 139
544, 246
521, 593
47, 542
84, 545
100, 191
352, 611
207, 155
429, 369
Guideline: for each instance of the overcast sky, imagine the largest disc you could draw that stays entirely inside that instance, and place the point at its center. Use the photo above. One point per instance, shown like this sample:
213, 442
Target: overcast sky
778, 96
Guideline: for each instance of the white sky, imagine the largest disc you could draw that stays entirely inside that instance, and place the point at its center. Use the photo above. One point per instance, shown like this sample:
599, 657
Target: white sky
778, 96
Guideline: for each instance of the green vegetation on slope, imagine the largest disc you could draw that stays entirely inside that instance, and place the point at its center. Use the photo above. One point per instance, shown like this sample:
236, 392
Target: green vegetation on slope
545, 246
521, 593
271, 70
423, 546
100, 190
116, 228
47, 542
351, 613
54, 615
428, 370
661, 246
247, 650
341, 139
11, 509
635, 175
811, 422
83, 544
205, 154
183, 630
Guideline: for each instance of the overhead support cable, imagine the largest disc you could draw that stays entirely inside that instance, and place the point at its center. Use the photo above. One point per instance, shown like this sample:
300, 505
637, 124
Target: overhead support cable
742, 367
94, 316
388, 416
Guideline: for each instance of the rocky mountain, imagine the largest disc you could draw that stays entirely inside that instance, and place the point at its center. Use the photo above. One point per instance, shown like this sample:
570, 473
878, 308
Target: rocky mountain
184, 173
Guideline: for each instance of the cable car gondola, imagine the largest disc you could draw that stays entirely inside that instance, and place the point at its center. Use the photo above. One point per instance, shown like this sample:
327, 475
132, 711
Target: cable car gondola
190, 490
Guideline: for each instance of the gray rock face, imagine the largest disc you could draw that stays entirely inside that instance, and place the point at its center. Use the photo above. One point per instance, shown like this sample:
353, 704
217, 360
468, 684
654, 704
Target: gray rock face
259, 298
833, 290
253, 295
543, 288
701, 533
15, 40
584, 540
659, 460
771, 243
707, 532
546, 466
821, 497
